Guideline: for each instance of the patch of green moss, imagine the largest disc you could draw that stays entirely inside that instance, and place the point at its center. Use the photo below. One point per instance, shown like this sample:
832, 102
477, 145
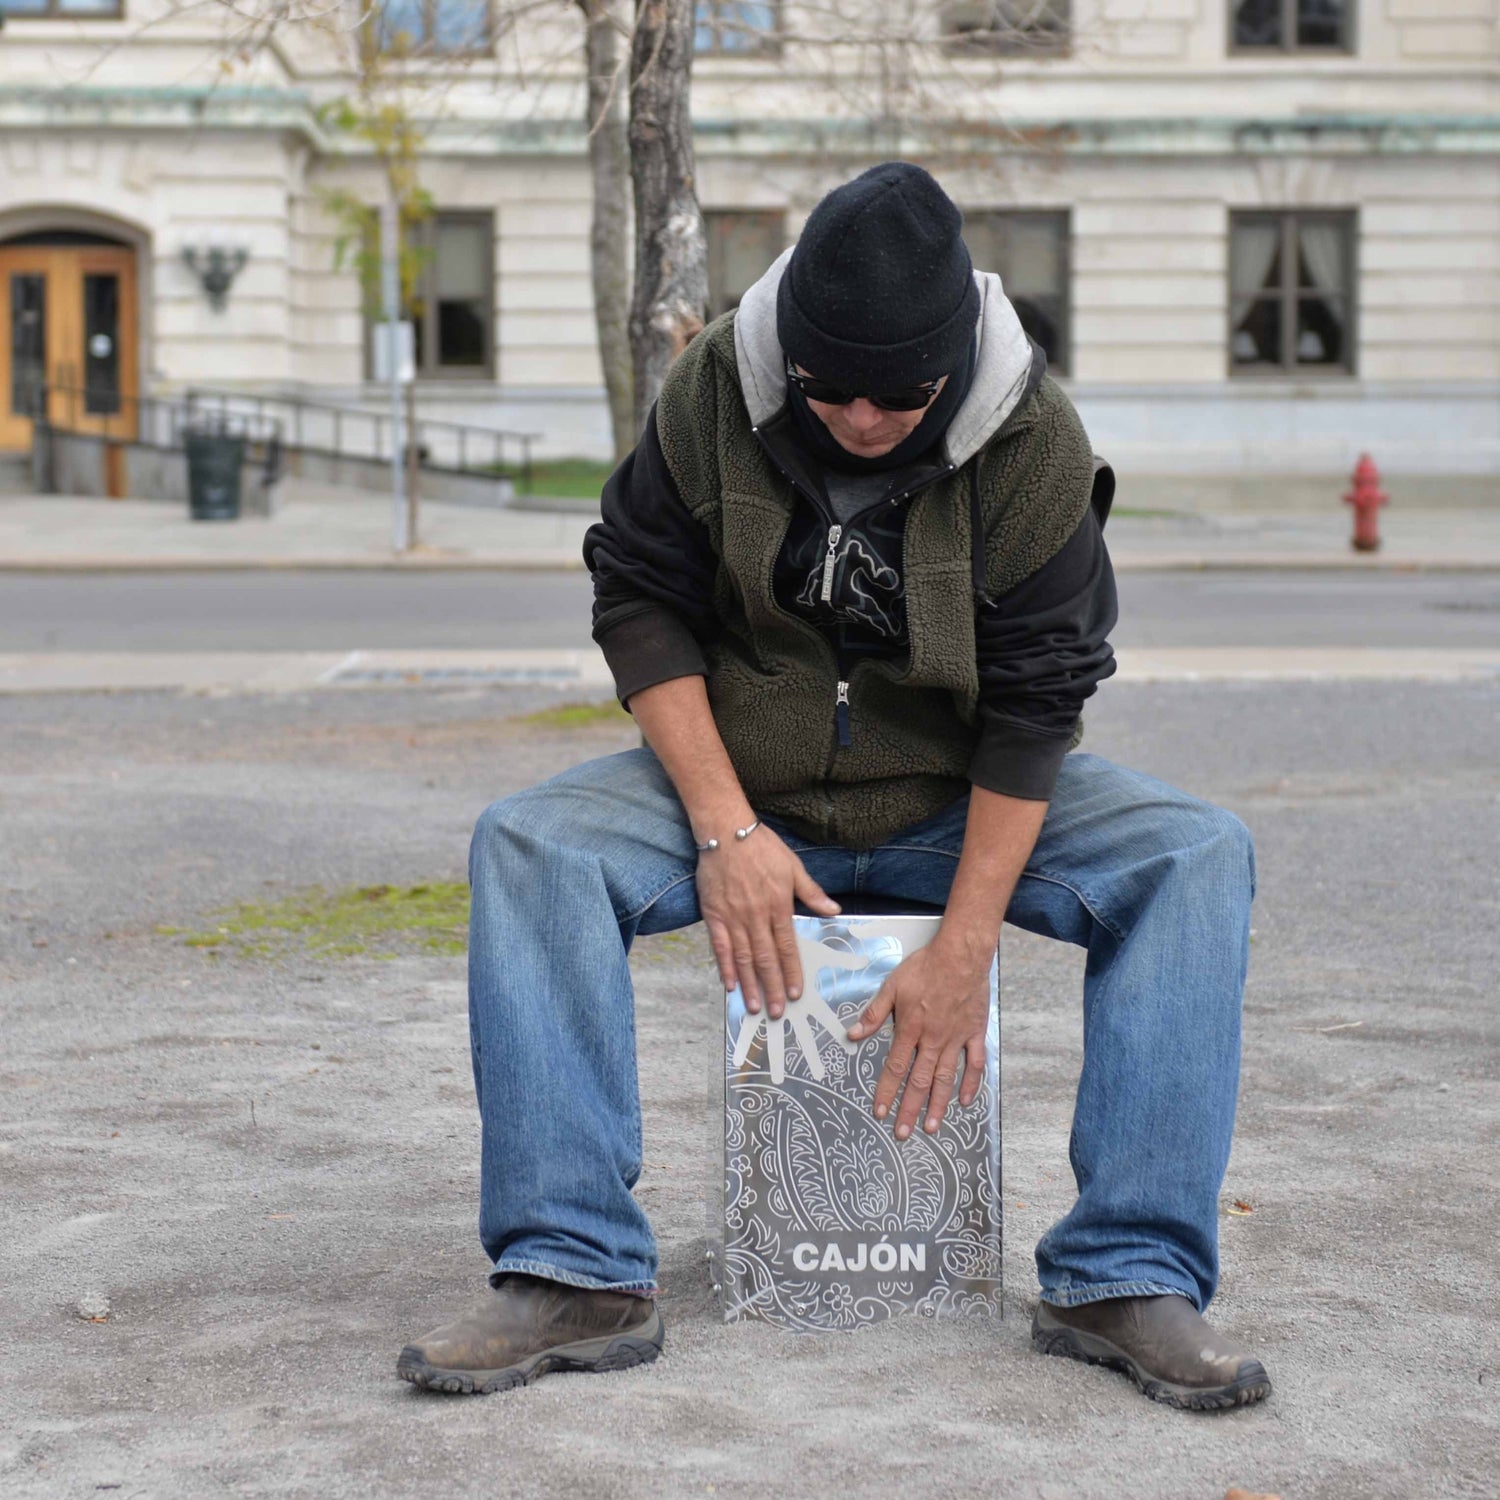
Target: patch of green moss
579, 715
369, 921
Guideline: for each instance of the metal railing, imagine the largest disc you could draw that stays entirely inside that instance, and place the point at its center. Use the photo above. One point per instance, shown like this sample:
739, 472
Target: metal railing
354, 432
154, 422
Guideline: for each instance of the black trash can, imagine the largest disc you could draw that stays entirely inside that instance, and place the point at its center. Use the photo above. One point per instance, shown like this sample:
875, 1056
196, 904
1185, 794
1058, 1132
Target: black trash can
215, 459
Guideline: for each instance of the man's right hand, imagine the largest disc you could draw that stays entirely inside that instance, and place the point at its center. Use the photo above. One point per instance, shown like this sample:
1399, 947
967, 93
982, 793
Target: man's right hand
746, 888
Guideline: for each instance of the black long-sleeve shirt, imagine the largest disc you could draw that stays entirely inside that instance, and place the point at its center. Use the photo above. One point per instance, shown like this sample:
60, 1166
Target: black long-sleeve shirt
1041, 649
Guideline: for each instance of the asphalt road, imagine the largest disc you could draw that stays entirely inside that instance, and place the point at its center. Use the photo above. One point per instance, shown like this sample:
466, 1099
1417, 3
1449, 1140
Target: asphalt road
266, 1168
360, 610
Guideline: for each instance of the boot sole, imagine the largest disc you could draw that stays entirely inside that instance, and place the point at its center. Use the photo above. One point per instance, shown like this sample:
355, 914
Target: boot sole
615, 1351
1252, 1384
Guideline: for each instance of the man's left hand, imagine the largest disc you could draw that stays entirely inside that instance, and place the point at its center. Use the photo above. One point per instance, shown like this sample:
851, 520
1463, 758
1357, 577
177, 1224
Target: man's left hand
940, 997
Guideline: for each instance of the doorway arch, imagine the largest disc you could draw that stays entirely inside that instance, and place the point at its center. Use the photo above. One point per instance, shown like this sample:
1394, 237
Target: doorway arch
75, 319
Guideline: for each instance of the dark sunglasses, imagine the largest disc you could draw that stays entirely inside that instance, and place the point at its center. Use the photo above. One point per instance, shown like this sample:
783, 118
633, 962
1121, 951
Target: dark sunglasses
912, 398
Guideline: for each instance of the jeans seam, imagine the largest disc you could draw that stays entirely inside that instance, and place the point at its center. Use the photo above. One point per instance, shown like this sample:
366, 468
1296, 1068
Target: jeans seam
1089, 906
671, 885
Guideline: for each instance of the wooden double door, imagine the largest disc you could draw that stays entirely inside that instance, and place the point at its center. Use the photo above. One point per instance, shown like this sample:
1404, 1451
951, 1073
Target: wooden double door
68, 334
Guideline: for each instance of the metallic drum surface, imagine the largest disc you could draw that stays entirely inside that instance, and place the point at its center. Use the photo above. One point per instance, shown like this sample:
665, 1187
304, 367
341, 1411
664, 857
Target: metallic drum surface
818, 1218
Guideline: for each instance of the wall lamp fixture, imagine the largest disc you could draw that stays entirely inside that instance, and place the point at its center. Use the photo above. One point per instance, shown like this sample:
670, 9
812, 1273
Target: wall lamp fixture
215, 268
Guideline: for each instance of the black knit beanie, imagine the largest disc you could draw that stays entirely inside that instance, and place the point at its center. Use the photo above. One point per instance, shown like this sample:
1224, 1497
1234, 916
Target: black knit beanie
880, 292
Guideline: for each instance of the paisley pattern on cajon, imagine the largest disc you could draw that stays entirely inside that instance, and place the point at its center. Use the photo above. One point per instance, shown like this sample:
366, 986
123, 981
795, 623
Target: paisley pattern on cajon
819, 1218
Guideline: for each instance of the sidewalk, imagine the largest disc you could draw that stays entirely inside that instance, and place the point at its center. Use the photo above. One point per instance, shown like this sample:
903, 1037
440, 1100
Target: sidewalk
322, 527
583, 674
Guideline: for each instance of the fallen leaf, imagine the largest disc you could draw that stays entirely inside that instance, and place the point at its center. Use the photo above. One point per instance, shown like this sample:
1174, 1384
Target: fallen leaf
1239, 1494
1239, 1208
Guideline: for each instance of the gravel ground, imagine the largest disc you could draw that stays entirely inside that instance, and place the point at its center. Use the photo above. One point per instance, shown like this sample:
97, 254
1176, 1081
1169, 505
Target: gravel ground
260, 1175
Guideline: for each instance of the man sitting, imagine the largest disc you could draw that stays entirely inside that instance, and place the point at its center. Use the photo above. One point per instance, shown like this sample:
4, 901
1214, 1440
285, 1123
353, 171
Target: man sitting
853, 588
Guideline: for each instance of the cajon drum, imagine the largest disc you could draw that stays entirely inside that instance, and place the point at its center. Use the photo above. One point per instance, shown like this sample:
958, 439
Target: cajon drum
819, 1218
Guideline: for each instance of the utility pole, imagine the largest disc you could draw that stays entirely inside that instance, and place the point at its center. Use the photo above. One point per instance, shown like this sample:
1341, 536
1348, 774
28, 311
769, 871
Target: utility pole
390, 281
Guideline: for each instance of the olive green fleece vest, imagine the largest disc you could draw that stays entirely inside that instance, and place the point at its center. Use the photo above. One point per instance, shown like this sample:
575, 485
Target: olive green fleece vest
772, 678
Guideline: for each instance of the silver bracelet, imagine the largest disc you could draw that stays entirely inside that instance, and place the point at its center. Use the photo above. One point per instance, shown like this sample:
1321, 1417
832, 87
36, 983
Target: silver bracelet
739, 833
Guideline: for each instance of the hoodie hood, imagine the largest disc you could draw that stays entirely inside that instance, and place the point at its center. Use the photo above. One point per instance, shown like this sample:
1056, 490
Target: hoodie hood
1007, 364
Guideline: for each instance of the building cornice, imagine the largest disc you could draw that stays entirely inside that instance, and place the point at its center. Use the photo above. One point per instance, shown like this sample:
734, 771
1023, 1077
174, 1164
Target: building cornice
293, 111
164, 109
1395, 134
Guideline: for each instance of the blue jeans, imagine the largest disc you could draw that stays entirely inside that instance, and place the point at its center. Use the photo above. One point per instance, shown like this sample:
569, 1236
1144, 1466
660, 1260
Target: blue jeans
1154, 883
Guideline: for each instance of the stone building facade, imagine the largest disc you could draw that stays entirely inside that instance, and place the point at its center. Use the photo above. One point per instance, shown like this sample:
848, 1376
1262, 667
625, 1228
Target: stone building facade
1257, 236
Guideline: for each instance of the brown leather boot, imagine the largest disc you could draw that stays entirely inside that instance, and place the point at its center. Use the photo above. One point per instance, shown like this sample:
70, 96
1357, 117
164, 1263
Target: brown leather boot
1162, 1343
526, 1328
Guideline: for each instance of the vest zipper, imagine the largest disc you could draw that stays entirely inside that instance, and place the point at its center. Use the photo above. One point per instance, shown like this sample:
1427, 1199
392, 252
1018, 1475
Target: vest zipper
841, 716
834, 533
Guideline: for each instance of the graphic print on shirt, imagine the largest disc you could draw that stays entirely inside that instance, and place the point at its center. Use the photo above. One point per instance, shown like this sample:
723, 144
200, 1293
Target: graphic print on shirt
868, 592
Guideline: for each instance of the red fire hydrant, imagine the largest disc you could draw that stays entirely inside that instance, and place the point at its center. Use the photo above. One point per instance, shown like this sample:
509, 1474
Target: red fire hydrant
1366, 497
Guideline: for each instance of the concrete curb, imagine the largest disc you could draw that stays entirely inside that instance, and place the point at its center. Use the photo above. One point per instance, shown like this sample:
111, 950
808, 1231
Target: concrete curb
466, 562
571, 562
585, 672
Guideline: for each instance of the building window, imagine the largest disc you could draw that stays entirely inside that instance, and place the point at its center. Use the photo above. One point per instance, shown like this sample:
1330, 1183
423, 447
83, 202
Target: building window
741, 247
426, 28
452, 306
85, 10
1030, 251
1291, 283
1292, 25
737, 28
1006, 28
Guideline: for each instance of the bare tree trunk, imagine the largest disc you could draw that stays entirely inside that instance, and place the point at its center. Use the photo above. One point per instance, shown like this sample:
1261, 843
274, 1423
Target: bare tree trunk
671, 255
609, 242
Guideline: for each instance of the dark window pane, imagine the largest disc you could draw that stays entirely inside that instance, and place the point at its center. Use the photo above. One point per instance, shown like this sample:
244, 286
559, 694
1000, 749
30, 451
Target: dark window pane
1313, 291
23, 7
1042, 318
1257, 23
741, 246
1030, 253
1322, 254
1254, 256
1320, 23
87, 7
28, 343
1257, 333
1012, 28
460, 274
417, 312
460, 333
101, 344
461, 263
1322, 337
